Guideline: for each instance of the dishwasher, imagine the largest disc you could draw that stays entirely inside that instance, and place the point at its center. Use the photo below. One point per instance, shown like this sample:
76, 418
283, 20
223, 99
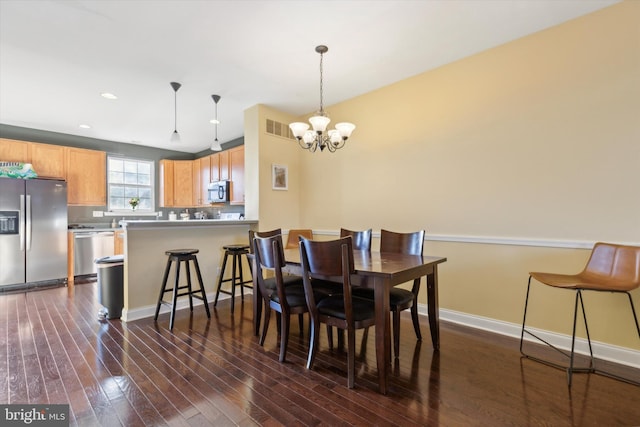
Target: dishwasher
87, 247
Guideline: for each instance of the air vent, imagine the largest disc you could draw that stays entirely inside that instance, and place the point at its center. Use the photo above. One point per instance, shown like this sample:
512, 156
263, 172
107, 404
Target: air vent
279, 129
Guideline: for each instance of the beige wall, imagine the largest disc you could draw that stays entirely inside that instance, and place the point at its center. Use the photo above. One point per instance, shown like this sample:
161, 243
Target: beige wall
536, 140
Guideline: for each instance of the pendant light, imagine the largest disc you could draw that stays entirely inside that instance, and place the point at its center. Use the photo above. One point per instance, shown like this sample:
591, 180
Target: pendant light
215, 145
175, 136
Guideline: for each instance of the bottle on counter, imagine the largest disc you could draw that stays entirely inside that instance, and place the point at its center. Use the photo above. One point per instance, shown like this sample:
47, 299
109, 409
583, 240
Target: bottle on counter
114, 224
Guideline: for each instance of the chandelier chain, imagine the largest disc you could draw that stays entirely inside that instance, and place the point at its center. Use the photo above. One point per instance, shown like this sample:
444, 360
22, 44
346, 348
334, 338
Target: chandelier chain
321, 85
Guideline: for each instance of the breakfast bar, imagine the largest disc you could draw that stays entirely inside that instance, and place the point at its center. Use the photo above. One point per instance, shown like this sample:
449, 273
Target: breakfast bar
145, 243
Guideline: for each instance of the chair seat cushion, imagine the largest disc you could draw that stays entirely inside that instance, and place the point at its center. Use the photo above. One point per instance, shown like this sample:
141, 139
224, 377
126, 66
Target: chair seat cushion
295, 296
397, 296
270, 283
334, 306
327, 287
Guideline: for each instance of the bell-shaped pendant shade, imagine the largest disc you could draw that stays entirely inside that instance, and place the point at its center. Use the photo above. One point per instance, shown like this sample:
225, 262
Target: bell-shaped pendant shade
319, 123
215, 145
175, 137
345, 129
298, 129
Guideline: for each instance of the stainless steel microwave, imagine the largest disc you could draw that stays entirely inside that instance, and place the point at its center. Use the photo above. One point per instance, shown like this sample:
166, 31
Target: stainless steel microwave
218, 192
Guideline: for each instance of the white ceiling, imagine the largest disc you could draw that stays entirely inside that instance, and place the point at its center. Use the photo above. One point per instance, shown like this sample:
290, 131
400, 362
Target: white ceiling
58, 56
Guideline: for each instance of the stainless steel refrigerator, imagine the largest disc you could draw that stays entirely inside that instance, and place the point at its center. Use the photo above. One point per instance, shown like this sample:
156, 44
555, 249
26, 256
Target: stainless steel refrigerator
33, 232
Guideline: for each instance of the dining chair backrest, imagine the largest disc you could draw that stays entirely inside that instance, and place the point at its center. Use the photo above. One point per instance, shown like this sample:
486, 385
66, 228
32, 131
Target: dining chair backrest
402, 243
253, 234
294, 237
327, 260
269, 251
612, 267
361, 239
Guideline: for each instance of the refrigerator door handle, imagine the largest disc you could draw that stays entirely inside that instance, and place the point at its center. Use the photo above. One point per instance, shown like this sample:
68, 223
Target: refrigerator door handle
21, 224
28, 221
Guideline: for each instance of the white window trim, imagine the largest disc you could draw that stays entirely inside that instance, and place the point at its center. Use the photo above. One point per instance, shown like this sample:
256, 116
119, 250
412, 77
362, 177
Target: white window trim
130, 212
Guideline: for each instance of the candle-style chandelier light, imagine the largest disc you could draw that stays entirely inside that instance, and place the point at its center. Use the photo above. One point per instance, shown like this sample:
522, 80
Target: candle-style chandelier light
319, 137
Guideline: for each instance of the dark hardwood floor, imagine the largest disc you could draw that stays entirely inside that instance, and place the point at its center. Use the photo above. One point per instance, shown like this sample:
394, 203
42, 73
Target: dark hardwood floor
54, 350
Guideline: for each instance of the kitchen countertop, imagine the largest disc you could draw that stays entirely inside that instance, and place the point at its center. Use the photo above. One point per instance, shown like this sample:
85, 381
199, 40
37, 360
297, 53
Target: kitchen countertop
155, 224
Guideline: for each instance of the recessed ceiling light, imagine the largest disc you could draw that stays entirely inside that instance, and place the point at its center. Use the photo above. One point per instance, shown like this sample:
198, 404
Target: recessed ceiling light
214, 121
85, 126
108, 95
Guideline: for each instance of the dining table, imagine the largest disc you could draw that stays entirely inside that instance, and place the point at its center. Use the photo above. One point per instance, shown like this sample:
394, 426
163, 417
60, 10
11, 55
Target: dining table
381, 271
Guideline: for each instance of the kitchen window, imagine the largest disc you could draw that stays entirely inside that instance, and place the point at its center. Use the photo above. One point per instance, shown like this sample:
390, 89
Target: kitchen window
128, 179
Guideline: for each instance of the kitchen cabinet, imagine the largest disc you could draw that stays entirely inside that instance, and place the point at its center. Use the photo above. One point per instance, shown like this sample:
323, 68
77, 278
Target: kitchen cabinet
48, 160
219, 166
118, 242
177, 183
236, 174
14, 151
86, 177
202, 168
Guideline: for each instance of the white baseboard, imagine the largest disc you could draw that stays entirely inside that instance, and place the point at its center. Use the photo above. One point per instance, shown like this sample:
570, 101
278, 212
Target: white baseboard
612, 353
150, 310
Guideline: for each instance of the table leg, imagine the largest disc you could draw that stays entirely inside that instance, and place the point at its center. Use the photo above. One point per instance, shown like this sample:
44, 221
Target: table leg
433, 307
383, 333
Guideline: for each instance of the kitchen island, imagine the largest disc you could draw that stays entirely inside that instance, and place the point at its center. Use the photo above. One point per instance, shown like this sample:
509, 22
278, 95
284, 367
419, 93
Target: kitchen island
145, 243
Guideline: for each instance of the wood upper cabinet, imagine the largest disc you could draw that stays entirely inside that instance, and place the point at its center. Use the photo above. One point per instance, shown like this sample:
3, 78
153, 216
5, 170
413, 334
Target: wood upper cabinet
219, 166
86, 177
14, 151
166, 183
177, 183
49, 160
236, 174
203, 172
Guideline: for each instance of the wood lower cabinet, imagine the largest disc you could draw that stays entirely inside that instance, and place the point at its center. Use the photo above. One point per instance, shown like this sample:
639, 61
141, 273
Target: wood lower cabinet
86, 177
118, 242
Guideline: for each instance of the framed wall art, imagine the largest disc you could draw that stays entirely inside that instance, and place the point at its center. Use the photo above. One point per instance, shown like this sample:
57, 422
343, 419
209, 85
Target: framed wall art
279, 177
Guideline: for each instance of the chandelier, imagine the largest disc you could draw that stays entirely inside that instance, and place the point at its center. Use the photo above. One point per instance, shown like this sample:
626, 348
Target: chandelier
319, 137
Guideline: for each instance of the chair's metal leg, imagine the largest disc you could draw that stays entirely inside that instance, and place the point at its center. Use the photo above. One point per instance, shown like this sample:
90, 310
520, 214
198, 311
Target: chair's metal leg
633, 310
524, 318
573, 337
586, 327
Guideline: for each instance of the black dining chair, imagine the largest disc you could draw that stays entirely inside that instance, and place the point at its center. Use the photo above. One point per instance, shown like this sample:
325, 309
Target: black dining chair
270, 282
284, 299
400, 299
361, 239
333, 260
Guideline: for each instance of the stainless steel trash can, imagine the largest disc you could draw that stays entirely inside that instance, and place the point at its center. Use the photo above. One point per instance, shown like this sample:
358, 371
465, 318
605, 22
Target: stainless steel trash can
110, 286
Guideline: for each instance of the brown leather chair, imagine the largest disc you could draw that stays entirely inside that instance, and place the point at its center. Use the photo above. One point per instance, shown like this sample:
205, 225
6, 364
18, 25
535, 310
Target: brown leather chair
400, 299
361, 239
611, 268
333, 260
294, 237
285, 299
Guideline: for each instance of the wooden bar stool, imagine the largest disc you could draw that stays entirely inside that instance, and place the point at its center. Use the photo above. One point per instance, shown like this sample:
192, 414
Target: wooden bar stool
178, 256
237, 277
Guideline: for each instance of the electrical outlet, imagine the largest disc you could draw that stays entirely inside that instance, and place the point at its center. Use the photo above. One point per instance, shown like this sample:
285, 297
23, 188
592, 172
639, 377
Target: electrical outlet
98, 214
159, 214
